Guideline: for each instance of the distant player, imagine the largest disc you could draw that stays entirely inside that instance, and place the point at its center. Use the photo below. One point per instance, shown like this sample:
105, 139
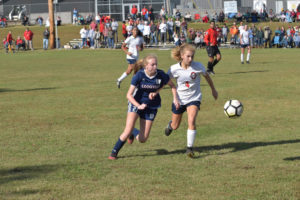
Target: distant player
134, 44
245, 43
187, 74
143, 102
212, 49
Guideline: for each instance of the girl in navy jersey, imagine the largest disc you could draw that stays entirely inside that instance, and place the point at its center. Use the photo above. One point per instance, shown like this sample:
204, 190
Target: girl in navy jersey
187, 75
143, 102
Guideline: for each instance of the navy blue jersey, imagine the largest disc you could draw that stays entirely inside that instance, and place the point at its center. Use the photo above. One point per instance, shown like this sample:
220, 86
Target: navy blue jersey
145, 85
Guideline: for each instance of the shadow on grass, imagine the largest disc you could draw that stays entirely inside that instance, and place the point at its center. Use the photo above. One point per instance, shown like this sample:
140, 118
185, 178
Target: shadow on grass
232, 147
292, 158
25, 173
256, 71
26, 90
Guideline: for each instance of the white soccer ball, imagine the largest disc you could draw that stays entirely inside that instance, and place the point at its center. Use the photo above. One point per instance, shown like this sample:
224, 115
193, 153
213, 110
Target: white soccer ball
233, 108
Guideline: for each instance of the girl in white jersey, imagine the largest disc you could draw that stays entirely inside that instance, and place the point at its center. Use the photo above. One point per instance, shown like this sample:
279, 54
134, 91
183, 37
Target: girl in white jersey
244, 40
187, 74
134, 44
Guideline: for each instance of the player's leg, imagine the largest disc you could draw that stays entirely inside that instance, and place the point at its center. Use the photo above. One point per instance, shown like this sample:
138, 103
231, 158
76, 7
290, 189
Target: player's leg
131, 66
176, 119
242, 55
248, 55
192, 112
130, 122
209, 51
217, 59
145, 128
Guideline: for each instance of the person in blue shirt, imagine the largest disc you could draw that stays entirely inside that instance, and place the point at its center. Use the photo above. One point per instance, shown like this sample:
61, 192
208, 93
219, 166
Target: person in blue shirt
143, 102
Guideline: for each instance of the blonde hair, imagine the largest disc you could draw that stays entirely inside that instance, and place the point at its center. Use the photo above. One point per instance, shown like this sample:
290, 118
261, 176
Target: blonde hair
178, 51
143, 62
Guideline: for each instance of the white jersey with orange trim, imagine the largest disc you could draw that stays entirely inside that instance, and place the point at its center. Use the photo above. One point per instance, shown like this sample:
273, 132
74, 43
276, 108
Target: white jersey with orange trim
188, 81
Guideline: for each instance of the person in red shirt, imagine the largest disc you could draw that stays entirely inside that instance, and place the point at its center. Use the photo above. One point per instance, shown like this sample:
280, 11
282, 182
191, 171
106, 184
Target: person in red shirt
28, 35
124, 31
212, 49
134, 12
144, 12
9, 40
20, 44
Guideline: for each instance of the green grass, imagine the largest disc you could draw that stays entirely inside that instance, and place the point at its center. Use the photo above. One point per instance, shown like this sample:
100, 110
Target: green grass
61, 113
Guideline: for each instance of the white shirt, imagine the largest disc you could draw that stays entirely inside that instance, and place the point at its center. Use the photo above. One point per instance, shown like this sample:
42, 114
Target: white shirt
83, 33
244, 37
114, 25
163, 27
132, 44
146, 30
188, 81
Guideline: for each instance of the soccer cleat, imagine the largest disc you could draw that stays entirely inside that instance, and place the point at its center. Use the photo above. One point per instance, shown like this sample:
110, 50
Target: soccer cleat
210, 72
118, 84
189, 152
113, 156
168, 129
247, 62
242, 62
130, 139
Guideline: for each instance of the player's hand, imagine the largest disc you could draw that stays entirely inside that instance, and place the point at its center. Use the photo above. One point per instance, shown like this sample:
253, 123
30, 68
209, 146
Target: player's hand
215, 94
152, 95
129, 53
142, 106
176, 103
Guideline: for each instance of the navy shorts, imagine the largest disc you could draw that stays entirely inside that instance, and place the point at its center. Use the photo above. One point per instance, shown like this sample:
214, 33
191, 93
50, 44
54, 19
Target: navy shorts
244, 45
182, 108
131, 61
147, 113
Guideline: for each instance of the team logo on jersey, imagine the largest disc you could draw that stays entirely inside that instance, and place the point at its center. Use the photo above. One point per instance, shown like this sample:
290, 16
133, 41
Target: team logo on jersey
158, 81
193, 75
187, 84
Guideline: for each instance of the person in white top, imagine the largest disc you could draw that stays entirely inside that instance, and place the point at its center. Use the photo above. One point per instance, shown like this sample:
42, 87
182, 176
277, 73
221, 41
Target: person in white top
131, 46
187, 75
163, 31
114, 26
146, 32
83, 34
244, 41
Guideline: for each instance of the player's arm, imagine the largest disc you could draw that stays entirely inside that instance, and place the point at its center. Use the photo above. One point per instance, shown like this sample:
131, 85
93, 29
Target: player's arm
241, 38
174, 93
132, 100
125, 49
206, 39
211, 85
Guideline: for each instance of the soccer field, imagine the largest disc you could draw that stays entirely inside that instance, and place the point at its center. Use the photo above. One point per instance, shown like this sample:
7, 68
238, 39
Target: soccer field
61, 113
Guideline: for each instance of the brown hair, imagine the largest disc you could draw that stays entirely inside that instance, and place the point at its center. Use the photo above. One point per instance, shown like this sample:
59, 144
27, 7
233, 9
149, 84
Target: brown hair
178, 51
143, 62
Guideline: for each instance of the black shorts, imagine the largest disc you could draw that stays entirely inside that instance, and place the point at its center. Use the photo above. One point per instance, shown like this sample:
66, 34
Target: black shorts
212, 51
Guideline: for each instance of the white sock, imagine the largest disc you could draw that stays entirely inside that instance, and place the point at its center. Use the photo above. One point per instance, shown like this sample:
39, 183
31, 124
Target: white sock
248, 56
242, 57
191, 134
122, 77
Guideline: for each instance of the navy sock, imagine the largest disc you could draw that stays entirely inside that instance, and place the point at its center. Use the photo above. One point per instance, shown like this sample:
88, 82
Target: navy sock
209, 66
118, 146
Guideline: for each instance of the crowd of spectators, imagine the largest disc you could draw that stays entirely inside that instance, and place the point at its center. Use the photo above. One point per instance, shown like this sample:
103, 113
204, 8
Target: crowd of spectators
25, 43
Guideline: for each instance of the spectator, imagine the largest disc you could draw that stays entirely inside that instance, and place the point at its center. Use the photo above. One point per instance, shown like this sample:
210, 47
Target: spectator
188, 17
297, 39
146, 33
5, 45
163, 31
114, 26
254, 32
177, 25
151, 13
105, 35
91, 36
3, 22
97, 19
124, 31
39, 21
221, 17
58, 20
97, 39
271, 15
197, 40
75, 16
162, 13
215, 17
260, 37
101, 29
134, 12
205, 17
184, 27
25, 21
83, 34
267, 37
46, 35
224, 33
170, 27
284, 41
153, 33
276, 40
144, 12
140, 26
28, 35
182, 39
178, 14
176, 40
93, 25
10, 40
110, 37
20, 43
234, 33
